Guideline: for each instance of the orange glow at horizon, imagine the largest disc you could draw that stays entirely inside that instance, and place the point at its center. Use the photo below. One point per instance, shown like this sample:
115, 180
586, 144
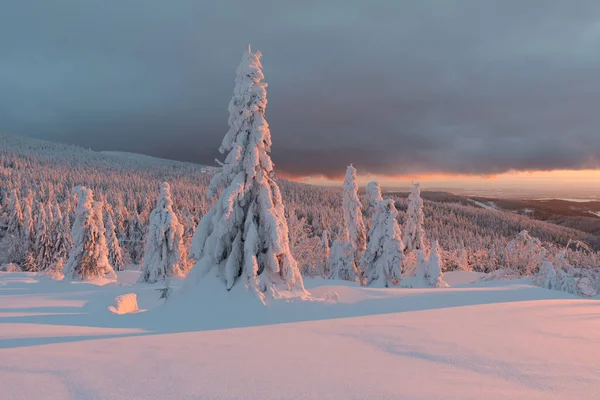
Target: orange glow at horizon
578, 180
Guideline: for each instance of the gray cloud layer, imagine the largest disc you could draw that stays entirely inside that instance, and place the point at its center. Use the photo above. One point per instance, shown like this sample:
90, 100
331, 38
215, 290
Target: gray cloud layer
397, 87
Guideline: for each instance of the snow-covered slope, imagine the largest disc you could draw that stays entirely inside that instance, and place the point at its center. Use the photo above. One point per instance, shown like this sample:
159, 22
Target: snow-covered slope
494, 340
145, 159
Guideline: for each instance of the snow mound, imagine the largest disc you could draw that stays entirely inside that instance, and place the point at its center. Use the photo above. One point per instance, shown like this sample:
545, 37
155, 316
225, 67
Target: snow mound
125, 304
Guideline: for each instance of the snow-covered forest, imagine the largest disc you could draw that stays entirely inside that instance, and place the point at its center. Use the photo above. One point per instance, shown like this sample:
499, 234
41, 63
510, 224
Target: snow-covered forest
37, 196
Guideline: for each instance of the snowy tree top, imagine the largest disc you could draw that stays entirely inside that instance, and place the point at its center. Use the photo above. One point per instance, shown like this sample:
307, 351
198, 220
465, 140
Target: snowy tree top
164, 199
373, 191
248, 140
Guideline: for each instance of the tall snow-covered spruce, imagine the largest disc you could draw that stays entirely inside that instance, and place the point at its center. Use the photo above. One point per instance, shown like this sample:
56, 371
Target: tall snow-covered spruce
414, 236
382, 260
115, 253
353, 220
163, 256
243, 239
88, 256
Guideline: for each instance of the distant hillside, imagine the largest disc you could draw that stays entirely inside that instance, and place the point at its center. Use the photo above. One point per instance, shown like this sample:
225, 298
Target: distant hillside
584, 216
142, 158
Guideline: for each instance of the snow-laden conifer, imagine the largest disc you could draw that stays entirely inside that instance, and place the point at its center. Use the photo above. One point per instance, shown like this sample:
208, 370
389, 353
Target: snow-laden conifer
61, 241
434, 274
341, 262
244, 236
115, 254
412, 230
353, 219
88, 256
163, 256
382, 260
43, 248
135, 241
373, 195
547, 277
15, 215
28, 230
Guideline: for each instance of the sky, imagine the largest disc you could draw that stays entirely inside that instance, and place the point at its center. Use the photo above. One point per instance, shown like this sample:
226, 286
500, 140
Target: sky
455, 92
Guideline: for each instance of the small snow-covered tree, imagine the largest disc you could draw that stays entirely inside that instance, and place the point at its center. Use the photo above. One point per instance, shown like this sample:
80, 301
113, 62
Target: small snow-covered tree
551, 277
115, 254
244, 236
135, 241
88, 256
341, 262
326, 246
422, 266
567, 282
18, 234
373, 195
525, 254
547, 277
28, 231
434, 274
15, 215
61, 239
353, 220
382, 260
119, 220
163, 256
43, 248
413, 227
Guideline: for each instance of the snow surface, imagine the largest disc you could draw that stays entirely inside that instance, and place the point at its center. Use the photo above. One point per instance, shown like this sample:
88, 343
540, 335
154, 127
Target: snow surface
480, 340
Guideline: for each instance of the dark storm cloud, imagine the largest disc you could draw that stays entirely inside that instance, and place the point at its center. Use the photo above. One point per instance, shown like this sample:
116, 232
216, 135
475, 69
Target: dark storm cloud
396, 87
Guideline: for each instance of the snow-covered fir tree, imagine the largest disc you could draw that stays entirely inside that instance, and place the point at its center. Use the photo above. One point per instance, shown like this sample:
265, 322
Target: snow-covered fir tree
434, 274
325, 243
119, 219
422, 266
43, 248
135, 239
382, 260
18, 241
115, 254
412, 230
14, 225
553, 278
28, 230
61, 241
341, 262
373, 196
88, 257
163, 256
353, 219
547, 277
244, 237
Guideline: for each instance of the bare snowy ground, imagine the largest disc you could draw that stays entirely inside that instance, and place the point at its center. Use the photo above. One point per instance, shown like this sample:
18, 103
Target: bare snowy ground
494, 340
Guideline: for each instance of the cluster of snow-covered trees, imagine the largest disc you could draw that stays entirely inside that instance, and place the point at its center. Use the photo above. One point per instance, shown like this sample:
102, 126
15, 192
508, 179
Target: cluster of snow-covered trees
376, 257
241, 232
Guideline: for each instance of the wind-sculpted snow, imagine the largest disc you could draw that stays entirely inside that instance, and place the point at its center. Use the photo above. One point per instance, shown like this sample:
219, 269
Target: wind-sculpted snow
490, 340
